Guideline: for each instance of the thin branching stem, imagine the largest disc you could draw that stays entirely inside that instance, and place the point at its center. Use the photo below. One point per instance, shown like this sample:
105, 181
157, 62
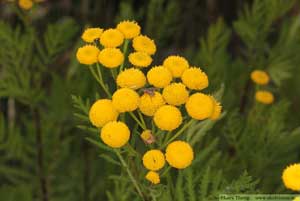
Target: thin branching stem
125, 48
137, 120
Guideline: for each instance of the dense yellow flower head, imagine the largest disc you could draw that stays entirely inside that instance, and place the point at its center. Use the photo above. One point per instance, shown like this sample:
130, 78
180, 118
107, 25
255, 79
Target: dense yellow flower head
91, 34
296, 198
153, 177
159, 76
264, 97
260, 77
101, 112
176, 65
125, 100
217, 109
111, 57
25, 4
140, 59
291, 177
130, 29
150, 102
87, 54
154, 160
194, 78
200, 106
179, 154
144, 44
175, 94
115, 134
131, 78
167, 118
111, 38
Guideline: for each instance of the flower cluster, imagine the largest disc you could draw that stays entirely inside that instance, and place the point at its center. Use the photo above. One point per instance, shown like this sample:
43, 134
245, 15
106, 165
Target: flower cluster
160, 95
262, 78
28, 4
291, 177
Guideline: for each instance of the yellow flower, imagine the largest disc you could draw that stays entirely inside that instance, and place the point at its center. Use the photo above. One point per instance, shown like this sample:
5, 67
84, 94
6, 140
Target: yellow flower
217, 109
101, 112
167, 118
199, 106
140, 59
260, 77
264, 97
147, 137
144, 44
111, 57
153, 177
291, 177
131, 78
25, 4
154, 160
194, 78
111, 38
130, 29
149, 103
296, 199
179, 154
87, 54
176, 64
91, 34
159, 76
115, 134
175, 94
125, 100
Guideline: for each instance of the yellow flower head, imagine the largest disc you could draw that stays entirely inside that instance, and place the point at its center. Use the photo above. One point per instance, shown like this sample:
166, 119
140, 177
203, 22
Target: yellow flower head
167, 118
153, 177
291, 177
111, 57
130, 29
147, 137
111, 38
25, 4
179, 154
144, 44
200, 106
150, 102
91, 34
264, 97
115, 134
125, 100
176, 64
260, 77
194, 78
175, 94
159, 76
87, 54
101, 112
154, 160
131, 78
217, 109
140, 59
296, 199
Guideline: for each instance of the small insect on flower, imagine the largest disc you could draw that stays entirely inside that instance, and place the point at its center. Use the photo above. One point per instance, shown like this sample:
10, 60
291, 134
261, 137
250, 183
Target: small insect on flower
125, 100
167, 118
144, 44
175, 94
111, 57
25, 4
111, 38
130, 29
154, 160
195, 78
200, 106
176, 65
91, 34
264, 97
87, 54
131, 78
159, 76
260, 77
140, 59
291, 177
179, 154
153, 177
150, 101
115, 134
147, 137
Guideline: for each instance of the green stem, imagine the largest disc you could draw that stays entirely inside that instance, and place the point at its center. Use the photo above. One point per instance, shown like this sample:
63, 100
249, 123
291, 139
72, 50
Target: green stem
130, 174
125, 48
165, 171
99, 80
142, 118
137, 120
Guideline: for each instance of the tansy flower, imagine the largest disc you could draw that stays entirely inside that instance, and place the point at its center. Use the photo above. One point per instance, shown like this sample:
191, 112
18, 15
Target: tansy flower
260, 77
159, 76
91, 34
111, 57
101, 112
87, 54
130, 29
25, 4
140, 59
149, 103
125, 100
111, 38
217, 109
147, 137
179, 154
153, 177
296, 199
264, 97
194, 78
167, 118
175, 94
200, 106
131, 78
115, 134
291, 177
144, 44
154, 160
176, 64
